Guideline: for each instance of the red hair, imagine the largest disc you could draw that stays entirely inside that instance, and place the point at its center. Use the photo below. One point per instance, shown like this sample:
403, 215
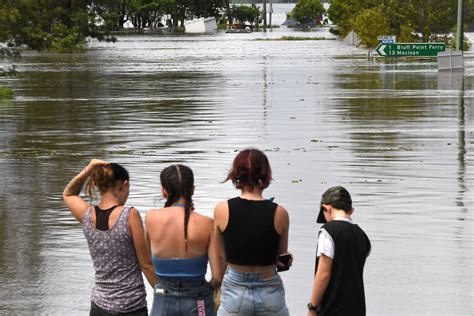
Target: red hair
250, 168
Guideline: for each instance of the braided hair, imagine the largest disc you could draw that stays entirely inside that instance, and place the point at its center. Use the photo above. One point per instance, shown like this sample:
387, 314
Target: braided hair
178, 181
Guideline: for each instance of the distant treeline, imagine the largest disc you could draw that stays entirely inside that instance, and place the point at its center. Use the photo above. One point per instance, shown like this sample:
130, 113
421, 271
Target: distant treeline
236, 2
412, 21
268, 1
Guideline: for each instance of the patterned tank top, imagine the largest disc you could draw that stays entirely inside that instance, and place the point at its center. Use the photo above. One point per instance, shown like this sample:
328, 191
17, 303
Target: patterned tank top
119, 284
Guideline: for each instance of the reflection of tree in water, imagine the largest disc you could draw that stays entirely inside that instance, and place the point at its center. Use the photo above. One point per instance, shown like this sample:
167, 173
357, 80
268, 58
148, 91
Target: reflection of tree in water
65, 113
381, 104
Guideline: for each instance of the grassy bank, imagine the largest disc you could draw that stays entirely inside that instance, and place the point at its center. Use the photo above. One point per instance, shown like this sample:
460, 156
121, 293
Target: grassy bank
6, 93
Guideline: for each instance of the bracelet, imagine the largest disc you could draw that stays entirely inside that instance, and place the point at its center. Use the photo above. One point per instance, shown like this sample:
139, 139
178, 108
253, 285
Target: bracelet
311, 307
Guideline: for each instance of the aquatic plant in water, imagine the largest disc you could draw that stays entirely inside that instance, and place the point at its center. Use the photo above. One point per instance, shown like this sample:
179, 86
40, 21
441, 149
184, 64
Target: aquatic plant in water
6, 93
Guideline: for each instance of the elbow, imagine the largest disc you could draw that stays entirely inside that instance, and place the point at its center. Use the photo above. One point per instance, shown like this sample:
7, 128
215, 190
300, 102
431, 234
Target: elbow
323, 277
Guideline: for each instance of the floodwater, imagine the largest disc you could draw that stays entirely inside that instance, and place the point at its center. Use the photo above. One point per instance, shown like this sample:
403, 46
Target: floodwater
398, 135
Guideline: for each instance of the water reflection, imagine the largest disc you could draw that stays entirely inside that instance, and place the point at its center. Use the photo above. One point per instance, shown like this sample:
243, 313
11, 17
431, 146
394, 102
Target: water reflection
396, 134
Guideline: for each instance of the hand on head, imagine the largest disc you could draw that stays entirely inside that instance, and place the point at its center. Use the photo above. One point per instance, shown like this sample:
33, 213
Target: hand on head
96, 163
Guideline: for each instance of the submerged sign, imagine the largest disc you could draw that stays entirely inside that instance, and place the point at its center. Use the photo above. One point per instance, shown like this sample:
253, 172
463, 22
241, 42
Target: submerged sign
410, 49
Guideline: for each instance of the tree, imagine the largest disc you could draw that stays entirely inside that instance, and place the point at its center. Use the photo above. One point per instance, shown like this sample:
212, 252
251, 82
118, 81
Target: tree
48, 24
245, 13
405, 17
113, 13
370, 23
307, 12
343, 12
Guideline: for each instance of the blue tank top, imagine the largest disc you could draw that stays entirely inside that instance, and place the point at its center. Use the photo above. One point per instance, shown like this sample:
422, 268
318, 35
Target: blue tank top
188, 268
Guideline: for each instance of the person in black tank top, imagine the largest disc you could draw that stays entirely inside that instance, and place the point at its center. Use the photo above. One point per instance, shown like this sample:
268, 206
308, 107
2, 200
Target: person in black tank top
338, 286
252, 232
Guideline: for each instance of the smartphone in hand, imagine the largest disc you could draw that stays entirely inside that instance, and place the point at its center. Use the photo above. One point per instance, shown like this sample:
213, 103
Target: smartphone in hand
284, 259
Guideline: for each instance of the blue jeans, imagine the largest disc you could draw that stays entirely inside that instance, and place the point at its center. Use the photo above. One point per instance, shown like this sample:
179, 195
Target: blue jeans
184, 297
245, 293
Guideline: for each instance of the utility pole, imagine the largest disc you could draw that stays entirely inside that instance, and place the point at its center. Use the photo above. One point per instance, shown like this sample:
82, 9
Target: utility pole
460, 32
265, 14
270, 12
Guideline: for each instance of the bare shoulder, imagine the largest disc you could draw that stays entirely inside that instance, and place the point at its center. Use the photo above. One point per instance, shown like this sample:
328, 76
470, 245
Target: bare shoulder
206, 222
282, 219
155, 211
220, 208
281, 211
154, 214
203, 218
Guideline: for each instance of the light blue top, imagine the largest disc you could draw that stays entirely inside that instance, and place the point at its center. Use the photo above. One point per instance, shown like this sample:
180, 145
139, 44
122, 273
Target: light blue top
189, 268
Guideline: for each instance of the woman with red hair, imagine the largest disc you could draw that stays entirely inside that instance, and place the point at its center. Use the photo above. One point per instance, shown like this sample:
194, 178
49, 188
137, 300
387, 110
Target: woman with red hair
252, 232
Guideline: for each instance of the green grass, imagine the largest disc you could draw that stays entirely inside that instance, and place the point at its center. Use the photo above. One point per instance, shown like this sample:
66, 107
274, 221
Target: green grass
296, 38
6, 93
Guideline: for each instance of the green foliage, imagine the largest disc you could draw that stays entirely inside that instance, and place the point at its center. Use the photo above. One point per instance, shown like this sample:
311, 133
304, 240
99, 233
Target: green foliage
6, 93
244, 13
370, 23
405, 19
343, 12
63, 26
307, 11
45, 25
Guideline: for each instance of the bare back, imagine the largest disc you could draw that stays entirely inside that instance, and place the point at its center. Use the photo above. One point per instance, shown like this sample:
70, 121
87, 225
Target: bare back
165, 229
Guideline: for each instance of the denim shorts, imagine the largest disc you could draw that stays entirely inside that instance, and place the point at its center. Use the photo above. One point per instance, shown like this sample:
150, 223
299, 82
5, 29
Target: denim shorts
245, 293
184, 297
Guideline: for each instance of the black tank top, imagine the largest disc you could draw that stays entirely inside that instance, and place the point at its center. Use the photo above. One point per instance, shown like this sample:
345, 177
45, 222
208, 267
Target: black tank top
102, 217
250, 237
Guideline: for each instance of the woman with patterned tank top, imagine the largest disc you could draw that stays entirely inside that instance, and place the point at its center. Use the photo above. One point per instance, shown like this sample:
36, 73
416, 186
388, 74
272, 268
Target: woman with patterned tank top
252, 232
115, 235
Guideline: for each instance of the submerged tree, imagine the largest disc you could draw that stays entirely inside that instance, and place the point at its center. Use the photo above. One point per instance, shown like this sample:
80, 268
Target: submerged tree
245, 13
48, 24
307, 12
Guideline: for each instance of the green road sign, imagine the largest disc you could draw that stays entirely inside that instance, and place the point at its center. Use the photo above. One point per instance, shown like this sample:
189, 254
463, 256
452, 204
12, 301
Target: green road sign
410, 49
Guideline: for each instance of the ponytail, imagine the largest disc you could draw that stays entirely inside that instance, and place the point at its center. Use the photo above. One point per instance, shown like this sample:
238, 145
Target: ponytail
105, 177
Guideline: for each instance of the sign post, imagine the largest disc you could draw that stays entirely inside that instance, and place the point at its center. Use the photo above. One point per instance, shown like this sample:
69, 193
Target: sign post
460, 26
410, 49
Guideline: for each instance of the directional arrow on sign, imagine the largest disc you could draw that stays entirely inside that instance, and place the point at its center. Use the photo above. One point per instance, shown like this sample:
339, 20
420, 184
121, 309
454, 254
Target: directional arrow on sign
380, 50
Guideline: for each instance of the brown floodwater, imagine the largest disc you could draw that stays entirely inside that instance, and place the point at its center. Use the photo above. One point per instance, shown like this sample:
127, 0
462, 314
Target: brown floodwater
398, 134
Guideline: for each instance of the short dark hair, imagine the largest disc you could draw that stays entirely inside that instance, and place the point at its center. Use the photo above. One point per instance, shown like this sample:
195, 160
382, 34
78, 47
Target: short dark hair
250, 168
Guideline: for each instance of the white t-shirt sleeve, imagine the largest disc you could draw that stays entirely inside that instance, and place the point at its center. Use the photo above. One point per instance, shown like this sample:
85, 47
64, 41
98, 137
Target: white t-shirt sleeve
325, 244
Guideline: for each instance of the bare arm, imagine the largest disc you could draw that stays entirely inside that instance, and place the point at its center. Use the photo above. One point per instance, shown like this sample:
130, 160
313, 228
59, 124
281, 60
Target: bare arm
147, 237
71, 197
321, 281
215, 260
138, 236
282, 225
221, 217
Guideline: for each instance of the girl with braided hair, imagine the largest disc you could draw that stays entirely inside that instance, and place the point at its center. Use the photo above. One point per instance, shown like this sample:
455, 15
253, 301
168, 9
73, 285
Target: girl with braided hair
181, 243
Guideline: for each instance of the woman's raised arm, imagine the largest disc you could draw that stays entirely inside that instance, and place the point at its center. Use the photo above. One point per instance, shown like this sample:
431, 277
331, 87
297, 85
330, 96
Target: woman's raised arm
71, 197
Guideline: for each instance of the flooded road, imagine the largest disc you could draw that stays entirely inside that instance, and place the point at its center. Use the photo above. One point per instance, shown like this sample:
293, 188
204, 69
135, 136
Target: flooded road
398, 135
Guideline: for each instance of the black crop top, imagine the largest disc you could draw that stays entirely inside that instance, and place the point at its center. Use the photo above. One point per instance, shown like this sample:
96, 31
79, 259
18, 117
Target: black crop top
250, 237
